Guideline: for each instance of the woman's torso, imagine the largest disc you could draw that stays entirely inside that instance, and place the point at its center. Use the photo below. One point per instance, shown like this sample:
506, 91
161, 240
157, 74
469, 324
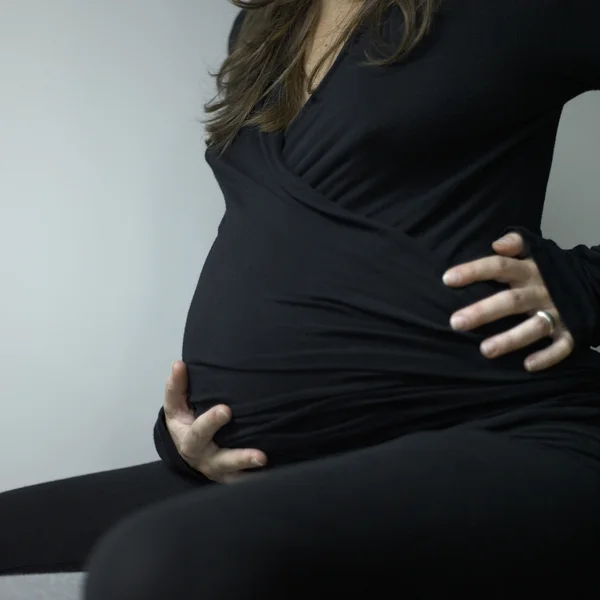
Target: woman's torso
320, 316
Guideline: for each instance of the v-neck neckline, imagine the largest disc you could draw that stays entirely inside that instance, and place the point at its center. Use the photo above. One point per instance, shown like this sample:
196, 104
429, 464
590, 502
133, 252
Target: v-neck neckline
319, 89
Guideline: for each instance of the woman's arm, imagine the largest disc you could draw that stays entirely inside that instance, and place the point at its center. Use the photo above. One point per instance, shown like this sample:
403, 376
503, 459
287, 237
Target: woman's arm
576, 41
571, 276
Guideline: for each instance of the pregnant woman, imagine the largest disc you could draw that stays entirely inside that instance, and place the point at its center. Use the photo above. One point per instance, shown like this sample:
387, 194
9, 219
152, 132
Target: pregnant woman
382, 317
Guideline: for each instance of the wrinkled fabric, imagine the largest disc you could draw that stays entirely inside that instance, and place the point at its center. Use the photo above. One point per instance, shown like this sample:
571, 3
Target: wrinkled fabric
320, 315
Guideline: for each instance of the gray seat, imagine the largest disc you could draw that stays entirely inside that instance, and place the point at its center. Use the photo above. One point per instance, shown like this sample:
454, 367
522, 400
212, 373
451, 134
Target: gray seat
63, 586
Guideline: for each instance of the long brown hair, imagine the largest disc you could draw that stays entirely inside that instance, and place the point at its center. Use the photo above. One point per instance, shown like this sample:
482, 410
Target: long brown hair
262, 81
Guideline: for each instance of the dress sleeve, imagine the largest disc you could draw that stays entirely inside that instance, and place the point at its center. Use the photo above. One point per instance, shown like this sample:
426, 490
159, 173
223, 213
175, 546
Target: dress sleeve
577, 41
572, 276
573, 281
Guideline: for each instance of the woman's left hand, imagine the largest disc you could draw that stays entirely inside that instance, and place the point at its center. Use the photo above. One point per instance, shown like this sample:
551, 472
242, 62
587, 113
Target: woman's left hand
528, 294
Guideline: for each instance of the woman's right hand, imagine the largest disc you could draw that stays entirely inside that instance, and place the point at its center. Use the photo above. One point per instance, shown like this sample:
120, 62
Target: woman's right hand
193, 437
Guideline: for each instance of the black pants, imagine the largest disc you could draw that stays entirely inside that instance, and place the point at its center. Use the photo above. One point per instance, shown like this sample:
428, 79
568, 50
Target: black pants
428, 515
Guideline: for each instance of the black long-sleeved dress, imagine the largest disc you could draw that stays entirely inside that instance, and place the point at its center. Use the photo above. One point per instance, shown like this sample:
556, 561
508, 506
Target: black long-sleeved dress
320, 315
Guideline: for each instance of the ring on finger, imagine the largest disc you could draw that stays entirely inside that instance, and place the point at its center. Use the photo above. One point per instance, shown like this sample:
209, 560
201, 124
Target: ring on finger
549, 318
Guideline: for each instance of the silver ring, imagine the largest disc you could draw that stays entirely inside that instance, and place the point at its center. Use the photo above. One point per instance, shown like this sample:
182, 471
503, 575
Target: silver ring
544, 314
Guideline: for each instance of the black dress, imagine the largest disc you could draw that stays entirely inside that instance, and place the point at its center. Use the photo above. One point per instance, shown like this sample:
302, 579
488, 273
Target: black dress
320, 316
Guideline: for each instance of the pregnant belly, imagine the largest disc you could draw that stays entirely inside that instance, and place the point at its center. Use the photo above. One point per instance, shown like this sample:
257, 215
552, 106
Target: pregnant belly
328, 344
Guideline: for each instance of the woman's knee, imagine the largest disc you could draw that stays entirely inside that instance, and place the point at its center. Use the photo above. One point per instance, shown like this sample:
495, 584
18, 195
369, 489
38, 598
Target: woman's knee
132, 562
185, 549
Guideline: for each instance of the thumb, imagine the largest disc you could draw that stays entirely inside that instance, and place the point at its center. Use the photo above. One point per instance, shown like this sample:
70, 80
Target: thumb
176, 394
511, 245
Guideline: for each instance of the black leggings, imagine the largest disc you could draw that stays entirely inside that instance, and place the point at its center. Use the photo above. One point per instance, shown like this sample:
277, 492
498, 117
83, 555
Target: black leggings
427, 515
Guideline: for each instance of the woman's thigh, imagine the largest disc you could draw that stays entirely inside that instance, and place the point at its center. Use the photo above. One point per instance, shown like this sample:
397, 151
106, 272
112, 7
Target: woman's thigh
458, 510
51, 527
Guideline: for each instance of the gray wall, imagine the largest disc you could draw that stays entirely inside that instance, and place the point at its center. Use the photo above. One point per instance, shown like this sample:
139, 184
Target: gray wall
108, 210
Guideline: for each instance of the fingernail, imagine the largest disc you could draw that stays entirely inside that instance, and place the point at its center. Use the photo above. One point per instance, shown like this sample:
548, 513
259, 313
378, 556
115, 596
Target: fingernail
530, 365
451, 278
258, 462
458, 322
223, 416
488, 348
504, 240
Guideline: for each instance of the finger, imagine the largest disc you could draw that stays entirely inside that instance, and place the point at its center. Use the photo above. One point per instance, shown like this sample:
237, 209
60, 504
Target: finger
497, 268
229, 461
180, 376
552, 355
176, 393
522, 335
219, 464
204, 429
511, 244
503, 304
